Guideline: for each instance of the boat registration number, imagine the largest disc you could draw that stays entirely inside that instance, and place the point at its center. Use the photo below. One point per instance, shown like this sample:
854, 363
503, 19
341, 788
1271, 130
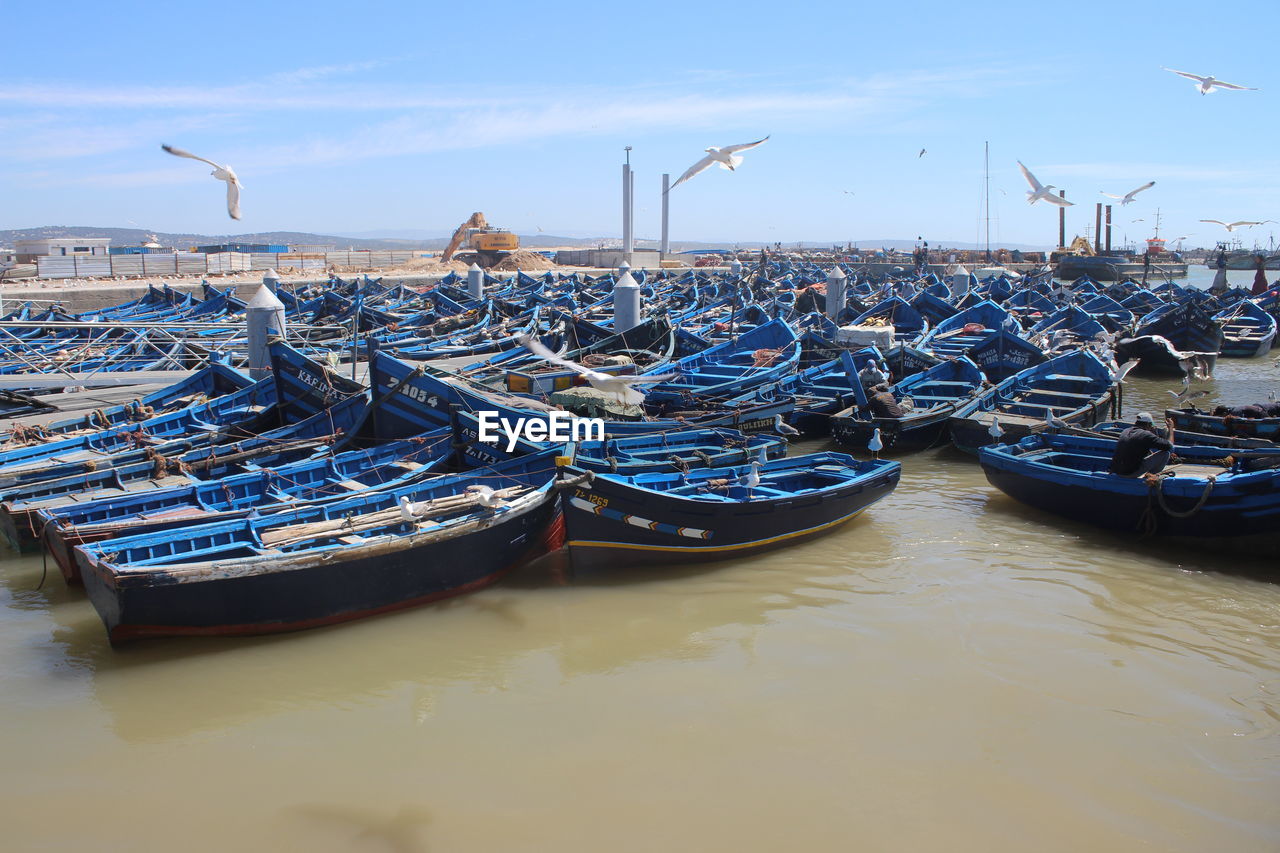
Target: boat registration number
590, 498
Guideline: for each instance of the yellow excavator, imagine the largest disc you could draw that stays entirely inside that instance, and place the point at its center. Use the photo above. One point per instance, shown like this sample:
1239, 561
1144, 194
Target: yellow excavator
483, 243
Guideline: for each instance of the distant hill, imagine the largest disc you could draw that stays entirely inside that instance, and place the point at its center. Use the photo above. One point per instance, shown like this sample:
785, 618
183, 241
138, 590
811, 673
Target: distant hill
365, 240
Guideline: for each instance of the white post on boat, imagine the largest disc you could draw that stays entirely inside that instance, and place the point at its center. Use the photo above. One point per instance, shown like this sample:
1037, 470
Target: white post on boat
623, 269
960, 281
475, 282
626, 304
835, 291
264, 317
271, 279
665, 249
735, 268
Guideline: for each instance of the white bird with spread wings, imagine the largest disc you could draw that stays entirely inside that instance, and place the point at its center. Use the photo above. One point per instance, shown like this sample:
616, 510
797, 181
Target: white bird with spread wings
1243, 223
618, 386
222, 173
726, 158
1039, 192
1128, 197
1208, 84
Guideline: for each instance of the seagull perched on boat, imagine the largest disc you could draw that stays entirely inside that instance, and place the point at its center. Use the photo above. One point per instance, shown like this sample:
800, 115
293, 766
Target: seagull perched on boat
1128, 197
781, 427
1039, 192
726, 158
995, 430
1054, 421
1232, 226
222, 173
618, 386
875, 445
406, 509
1209, 83
751, 479
485, 496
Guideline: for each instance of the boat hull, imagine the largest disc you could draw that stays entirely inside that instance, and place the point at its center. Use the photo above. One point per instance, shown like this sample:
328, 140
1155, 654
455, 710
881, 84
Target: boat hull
610, 525
312, 591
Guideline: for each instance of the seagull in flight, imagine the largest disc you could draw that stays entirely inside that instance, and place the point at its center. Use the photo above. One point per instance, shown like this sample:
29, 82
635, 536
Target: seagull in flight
1231, 226
1208, 84
1128, 197
222, 173
727, 157
1039, 192
618, 386
921, 154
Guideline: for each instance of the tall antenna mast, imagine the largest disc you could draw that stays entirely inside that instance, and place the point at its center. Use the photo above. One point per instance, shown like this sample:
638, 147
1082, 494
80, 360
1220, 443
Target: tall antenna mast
986, 192
1157, 222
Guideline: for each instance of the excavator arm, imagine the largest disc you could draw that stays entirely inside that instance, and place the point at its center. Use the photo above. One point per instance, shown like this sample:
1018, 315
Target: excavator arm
476, 221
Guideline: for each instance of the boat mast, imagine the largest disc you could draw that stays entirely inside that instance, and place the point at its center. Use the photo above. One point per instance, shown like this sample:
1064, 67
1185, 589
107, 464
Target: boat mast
986, 192
1157, 234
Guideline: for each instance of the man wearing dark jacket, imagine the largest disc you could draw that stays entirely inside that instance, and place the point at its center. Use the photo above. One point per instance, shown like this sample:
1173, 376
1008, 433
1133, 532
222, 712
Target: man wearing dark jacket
883, 404
1140, 450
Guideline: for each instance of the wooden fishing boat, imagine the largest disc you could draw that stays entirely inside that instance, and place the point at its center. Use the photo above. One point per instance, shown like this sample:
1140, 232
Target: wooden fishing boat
935, 395
1194, 420
1171, 335
714, 513
64, 524
1208, 493
1075, 388
1247, 330
327, 562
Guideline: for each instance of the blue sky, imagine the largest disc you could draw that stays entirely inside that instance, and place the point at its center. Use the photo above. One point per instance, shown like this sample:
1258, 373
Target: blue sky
379, 117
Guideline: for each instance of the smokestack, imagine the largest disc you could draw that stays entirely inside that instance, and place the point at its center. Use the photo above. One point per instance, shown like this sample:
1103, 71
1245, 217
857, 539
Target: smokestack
1097, 228
1108, 229
1062, 222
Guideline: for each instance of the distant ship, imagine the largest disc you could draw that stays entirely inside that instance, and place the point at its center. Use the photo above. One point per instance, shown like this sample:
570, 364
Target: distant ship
1156, 261
1245, 259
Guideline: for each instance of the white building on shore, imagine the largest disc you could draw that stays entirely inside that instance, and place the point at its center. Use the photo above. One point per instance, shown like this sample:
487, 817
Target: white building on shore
29, 250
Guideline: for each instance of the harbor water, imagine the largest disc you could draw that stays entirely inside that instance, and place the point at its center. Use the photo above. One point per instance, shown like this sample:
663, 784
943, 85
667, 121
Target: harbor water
952, 671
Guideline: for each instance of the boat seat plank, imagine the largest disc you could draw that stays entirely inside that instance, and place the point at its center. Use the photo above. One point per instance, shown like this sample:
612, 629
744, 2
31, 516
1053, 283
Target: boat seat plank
1062, 377
1056, 393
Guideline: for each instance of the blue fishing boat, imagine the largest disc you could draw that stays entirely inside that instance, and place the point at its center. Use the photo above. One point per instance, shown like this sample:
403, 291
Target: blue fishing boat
1193, 420
716, 513
63, 525
325, 562
1247, 330
1073, 389
1207, 493
930, 398
1167, 338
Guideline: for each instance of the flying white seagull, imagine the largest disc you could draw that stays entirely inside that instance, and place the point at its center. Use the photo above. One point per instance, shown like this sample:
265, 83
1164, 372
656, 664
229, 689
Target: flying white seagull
726, 158
222, 173
1231, 226
1208, 84
1039, 192
1128, 197
618, 386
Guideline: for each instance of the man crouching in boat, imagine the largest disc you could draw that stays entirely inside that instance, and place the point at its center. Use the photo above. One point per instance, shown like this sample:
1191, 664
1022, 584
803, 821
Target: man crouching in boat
1141, 450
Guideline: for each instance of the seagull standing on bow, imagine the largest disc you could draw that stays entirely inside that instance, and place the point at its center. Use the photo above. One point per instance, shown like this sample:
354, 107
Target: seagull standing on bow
1208, 84
726, 158
618, 386
222, 173
1039, 192
751, 479
1127, 198
876, 444
995, 430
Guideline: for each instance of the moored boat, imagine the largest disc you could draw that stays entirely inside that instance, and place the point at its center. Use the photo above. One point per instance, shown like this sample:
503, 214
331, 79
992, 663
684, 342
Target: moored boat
715, 513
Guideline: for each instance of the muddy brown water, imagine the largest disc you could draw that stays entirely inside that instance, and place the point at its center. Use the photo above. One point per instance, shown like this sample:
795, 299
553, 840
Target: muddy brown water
950, 672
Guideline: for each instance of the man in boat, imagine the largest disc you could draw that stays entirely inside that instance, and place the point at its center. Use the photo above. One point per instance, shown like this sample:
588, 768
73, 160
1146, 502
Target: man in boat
882, 403
1140, 449
871, 375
